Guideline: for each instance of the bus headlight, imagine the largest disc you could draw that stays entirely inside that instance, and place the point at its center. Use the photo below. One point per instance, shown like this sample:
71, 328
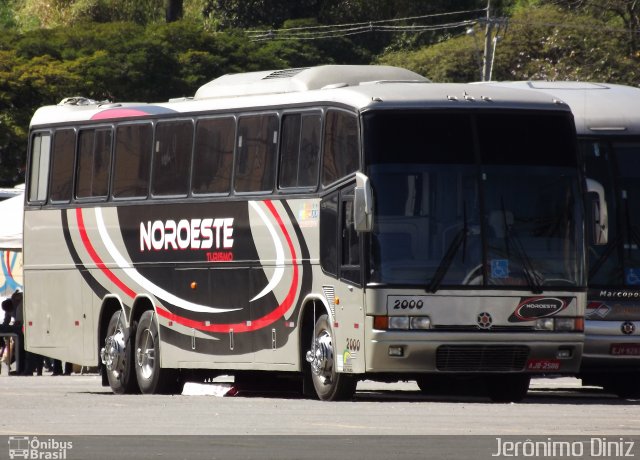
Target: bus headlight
402, 322
420, 322
544, 324
565, 324
559, 324
398, 322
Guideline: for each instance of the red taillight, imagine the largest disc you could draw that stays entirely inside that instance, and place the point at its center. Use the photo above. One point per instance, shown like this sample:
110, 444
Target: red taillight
381, 322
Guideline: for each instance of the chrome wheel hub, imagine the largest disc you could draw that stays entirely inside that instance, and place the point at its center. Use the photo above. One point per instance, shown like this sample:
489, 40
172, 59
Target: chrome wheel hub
113, 353
146, 355
321, 356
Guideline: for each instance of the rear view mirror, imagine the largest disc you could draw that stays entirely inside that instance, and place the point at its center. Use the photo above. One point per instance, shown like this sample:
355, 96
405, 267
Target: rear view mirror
598, 216
363, 204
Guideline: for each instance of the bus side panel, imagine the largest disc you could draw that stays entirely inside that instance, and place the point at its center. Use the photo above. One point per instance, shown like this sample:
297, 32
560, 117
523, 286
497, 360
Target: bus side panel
65, 329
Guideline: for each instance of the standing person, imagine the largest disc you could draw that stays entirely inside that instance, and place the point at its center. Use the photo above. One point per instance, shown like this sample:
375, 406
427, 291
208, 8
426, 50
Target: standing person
12, 322
30, 361
7, 344
57, 367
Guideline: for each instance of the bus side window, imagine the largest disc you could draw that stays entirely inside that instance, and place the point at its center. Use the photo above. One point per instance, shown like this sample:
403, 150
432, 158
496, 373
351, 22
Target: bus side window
213, 157
39, 166
64, 143
172, 158
300, 150
329, 234
256, 153
340, 156
132, 160
94, 162
350, 243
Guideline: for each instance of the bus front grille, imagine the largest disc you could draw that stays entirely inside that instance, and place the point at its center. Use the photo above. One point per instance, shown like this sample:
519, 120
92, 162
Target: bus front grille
481, 358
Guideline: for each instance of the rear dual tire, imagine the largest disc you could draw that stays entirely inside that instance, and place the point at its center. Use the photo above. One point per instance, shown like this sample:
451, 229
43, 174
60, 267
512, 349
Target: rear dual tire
151, 378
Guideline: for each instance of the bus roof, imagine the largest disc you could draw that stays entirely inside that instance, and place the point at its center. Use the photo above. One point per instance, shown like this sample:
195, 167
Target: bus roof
358, 87
598, 108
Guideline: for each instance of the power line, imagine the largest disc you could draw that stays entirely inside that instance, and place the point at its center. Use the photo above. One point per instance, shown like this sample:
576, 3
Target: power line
341, 30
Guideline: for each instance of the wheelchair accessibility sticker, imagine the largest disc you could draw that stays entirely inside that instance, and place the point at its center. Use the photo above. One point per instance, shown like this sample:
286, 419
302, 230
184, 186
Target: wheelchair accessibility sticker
632, 276
500, 268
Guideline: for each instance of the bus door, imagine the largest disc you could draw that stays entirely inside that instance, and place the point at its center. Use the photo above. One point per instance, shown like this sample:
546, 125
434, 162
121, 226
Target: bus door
348, 295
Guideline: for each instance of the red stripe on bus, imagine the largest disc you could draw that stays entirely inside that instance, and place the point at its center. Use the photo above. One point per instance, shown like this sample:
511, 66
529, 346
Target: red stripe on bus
259, 323
96, 258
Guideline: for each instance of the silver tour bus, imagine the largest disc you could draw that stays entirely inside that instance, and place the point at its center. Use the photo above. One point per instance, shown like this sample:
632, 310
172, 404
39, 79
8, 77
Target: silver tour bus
316, 225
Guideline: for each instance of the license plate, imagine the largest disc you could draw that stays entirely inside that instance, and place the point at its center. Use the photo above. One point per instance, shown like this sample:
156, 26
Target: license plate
625, 349
543, 365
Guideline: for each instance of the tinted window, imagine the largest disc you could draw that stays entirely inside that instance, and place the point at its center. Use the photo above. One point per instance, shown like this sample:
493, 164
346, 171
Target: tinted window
172, 158
133, 161
257, 142
300, 150
62, 170
213, 158
406, 138
39, 167
340, 146
529, 139
94, 161
329, 234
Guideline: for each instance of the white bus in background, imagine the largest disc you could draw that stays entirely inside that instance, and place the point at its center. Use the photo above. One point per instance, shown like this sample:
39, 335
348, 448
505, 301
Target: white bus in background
607, 121
325, 224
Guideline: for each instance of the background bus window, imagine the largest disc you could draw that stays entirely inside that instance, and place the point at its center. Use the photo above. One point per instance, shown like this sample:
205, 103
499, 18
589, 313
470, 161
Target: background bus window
39, 166
94, 161
133, 161
300, 150
255, 162
213, 157
340, 146
172, 158
64, 142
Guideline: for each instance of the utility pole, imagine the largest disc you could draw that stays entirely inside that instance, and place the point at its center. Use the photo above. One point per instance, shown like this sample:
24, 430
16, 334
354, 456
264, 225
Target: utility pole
487, 56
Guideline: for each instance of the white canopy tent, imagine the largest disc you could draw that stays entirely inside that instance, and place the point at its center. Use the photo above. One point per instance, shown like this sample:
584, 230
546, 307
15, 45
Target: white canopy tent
11, 222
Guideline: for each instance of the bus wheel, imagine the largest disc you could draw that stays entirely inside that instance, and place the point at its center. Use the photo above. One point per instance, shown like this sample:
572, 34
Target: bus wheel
508, 387
328, 383
152, 379
625, 386
117, 355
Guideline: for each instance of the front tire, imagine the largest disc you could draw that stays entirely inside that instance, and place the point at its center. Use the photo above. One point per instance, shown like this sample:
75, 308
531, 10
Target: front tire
624, 385
152, 379
329, 385
118, 357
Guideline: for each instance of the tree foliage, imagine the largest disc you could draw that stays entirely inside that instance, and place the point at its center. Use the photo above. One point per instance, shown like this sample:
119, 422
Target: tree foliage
135, 49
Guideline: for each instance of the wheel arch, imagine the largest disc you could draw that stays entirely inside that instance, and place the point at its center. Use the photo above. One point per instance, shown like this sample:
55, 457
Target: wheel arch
110, 304
141, 304
313, 307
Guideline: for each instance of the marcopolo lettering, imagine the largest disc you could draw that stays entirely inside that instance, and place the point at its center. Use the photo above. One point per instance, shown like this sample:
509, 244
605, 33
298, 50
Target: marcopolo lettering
192, 234
620, 294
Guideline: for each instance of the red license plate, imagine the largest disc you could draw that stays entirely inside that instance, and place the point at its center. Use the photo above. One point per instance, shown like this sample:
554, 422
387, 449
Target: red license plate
543, 365
625, 349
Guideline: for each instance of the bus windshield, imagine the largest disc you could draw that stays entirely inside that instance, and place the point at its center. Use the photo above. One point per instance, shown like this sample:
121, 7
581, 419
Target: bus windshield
486, 199
616, 165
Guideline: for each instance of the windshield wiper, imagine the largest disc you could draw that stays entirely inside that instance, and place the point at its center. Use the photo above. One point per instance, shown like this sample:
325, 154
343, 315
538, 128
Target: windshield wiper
531, 276
459, 240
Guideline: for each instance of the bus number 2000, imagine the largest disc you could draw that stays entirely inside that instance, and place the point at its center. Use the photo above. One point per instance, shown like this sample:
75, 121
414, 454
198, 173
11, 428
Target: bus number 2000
405, 302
